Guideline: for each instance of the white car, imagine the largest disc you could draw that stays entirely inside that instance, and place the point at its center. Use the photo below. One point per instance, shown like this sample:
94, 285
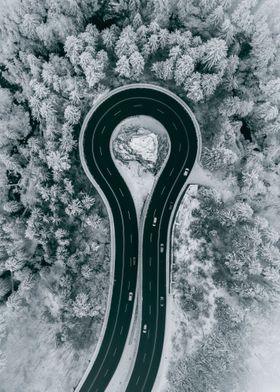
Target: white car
154, 221
145, 328
186, 172
161, 248
130, 296
161, 302
171, 205
134, 260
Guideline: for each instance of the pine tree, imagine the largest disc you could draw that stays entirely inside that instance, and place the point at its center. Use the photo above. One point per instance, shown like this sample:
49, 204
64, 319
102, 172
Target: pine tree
72, 114
214, 53
183, 68
193, 88
137, 65
73, 47
123, 67
126, 44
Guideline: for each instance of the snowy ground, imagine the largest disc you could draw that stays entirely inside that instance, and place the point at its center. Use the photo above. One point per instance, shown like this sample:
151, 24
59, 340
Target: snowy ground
139, 180
34, 362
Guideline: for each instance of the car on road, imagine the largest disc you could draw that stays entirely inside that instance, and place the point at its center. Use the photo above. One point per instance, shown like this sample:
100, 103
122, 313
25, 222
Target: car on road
145, 328
186, 172
134, 260
155, 221
171, 204
130, 296
161, 302
161, 248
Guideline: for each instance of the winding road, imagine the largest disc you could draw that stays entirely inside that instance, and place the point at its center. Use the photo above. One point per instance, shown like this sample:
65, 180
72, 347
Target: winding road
99, 166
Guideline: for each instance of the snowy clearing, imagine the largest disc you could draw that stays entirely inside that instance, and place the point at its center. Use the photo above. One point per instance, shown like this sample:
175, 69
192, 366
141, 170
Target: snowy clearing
139, 179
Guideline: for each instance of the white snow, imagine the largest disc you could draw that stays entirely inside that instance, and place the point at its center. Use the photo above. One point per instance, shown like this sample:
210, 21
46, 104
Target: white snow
263, 361
34, 361
145, 145
139, 181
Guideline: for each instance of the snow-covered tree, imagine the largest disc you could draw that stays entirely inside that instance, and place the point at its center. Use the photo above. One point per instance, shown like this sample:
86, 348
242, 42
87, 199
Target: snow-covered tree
123, 67
137, 63
214, 53
126, 44
183, 69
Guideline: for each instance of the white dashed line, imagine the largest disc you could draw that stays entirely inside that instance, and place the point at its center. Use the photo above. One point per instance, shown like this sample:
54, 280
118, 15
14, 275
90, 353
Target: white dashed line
121, 331
170, 174
115, 114
151, 237
163, 189
114, 353
150, 310
128, 285
159, 110
106, 372
137, 105
180, 147
121, 192
144, 358
138, 380
100, 150
103, 130
150, 286
150, 261
131, 238
125, 309
108, 171
129, 216
175, 126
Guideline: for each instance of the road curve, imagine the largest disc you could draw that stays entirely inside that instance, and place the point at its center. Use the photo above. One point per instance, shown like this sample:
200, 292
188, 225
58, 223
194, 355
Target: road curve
97, 161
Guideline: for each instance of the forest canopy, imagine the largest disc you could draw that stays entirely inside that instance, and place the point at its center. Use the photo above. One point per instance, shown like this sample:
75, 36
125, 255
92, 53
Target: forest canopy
56, 58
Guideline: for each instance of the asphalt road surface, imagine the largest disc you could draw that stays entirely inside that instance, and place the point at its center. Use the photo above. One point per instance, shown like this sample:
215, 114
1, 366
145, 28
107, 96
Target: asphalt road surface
183, 152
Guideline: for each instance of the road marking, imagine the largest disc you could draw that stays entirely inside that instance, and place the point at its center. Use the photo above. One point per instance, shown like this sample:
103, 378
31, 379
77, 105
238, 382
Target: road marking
137, 381
175, 126
148, 335
125, 309
103, 130
150, 261
121, 192
159, 110
128, 285
151, 237
150, 286
170, 174
106, 372
180, 147
137, 105
130, 261
100, 150
115, 351
150, 310
108, 171
131, 238
163, 189
129, 216
121, 331
144, 358
115, 114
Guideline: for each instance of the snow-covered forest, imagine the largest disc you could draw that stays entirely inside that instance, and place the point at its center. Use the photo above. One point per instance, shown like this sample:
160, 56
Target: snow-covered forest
56, 58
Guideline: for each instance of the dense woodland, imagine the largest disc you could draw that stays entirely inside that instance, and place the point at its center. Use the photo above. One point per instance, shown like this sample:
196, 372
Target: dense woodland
56, 58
